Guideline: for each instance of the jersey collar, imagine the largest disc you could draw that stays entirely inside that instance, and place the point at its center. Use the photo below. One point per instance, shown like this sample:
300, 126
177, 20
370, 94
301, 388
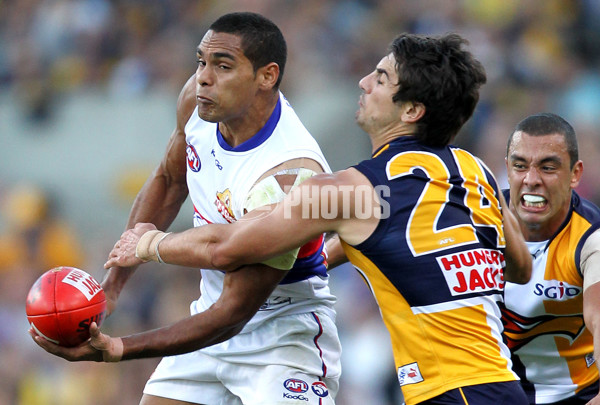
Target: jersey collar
257, 139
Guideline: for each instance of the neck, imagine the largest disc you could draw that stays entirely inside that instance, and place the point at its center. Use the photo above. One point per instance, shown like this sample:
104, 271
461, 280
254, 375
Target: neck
537, 232
237, 130
379, 140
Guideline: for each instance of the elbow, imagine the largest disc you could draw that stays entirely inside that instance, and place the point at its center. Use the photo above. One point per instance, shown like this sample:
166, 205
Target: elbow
222, 259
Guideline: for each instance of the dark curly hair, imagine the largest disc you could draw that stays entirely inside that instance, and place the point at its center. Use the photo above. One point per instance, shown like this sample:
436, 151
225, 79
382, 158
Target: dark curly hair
438, 73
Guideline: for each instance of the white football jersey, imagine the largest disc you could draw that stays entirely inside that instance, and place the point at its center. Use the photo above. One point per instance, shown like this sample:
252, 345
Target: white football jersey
219, 179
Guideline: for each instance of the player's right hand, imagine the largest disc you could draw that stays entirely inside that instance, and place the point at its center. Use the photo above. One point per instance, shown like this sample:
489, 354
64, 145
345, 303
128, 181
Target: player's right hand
99, 347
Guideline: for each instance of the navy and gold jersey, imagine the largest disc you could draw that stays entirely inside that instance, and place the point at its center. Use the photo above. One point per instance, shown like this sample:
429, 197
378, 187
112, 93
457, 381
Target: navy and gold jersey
435, 266
553, 351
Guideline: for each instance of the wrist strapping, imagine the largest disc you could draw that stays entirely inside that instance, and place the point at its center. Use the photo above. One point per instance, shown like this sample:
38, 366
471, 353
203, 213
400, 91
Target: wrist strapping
147, 247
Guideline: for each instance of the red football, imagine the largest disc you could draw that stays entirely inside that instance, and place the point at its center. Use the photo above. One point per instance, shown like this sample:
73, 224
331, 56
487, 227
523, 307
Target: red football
62, 304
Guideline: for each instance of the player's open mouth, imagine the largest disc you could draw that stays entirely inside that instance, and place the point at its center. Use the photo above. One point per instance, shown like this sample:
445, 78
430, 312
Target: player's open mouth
533, 201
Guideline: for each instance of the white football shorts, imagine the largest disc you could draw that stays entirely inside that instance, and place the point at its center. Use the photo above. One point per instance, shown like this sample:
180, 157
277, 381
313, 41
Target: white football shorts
291, 359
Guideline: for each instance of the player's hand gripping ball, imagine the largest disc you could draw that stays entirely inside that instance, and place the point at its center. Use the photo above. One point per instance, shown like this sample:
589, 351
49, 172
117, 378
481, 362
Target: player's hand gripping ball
62, 304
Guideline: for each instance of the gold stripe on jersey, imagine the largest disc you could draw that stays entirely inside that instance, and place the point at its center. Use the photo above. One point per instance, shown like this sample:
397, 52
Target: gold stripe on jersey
380, 151
449, 345
562, 265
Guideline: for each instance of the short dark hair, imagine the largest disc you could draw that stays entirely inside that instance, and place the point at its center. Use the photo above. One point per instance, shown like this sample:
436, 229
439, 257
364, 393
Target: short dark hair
438, 73
547, 124
262, 41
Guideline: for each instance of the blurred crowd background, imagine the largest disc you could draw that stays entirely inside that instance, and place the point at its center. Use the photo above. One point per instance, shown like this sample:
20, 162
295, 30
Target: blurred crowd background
87, 103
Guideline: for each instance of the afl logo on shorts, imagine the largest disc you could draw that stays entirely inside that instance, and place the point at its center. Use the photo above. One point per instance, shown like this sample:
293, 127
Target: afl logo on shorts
192, 158
295, 385
320, 389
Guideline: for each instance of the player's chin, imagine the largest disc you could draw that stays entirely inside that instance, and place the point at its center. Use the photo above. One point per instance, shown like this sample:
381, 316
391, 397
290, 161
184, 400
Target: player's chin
531, 217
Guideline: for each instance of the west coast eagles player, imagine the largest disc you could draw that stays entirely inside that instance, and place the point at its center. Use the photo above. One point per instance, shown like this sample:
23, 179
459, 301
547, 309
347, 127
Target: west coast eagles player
552, 323
435, 250
239, 145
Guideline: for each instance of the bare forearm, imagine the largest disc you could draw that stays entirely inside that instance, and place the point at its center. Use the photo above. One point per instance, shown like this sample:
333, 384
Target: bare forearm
158, 202
244, 291
196, 332
227, 247
518, 259
196, 247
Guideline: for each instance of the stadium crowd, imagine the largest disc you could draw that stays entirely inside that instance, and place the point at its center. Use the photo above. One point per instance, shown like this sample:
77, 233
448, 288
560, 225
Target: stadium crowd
539, 56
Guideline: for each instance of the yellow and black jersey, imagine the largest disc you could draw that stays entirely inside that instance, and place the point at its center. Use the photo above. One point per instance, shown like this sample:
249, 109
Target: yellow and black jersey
435, 266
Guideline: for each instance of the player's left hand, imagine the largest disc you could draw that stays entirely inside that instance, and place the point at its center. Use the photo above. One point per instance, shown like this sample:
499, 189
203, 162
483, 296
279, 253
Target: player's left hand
123, 253
99, 347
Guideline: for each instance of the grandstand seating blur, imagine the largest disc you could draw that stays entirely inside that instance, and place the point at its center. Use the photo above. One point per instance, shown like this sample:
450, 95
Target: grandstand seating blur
87, 101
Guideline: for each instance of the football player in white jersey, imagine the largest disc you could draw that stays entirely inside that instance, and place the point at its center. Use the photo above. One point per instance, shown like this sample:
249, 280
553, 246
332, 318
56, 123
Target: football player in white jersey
552, 323
238, 145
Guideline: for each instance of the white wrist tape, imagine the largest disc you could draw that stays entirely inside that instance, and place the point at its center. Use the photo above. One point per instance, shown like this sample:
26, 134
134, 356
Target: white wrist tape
147, 247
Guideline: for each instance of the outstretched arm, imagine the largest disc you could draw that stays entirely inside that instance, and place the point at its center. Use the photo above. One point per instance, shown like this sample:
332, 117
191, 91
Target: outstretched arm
244, 291
322, 203
161, 197
259, 235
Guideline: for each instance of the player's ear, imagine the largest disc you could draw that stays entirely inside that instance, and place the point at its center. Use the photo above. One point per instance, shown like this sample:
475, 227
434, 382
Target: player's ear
268, 75
576, 173
412, 111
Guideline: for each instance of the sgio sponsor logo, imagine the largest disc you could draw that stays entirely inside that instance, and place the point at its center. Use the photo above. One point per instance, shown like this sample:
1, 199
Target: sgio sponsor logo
556, 290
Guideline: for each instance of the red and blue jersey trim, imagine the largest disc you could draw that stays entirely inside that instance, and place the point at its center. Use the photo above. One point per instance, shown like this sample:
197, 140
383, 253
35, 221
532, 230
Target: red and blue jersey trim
310, 262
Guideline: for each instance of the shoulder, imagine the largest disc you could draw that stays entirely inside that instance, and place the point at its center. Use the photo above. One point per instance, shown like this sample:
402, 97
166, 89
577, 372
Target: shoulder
585, 208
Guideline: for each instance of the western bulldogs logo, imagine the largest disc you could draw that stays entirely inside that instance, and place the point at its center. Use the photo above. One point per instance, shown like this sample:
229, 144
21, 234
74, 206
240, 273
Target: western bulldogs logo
320, 389
192, 158
224, 204
295, 385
